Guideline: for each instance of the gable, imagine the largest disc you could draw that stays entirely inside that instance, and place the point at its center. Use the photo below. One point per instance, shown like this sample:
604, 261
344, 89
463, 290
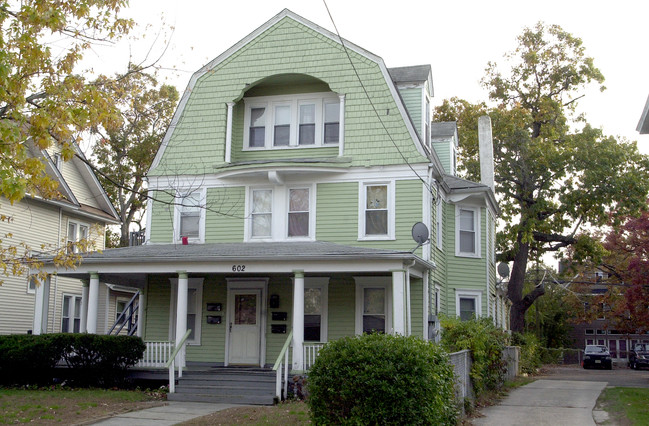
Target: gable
288, 45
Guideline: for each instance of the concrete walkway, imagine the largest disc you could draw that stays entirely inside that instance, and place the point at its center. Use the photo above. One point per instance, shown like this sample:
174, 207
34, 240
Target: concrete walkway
173, 412
546, 402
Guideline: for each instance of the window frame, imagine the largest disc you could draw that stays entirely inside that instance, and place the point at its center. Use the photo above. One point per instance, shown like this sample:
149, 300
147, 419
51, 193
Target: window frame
373, 282
469, 294
476, 224
294, 101
391, 209
323, 285
180, 196
192, 284
72, 244
251, 214
311, 222
71, 318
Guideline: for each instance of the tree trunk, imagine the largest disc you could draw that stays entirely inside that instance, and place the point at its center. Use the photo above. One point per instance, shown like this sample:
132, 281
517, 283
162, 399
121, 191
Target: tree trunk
520, 304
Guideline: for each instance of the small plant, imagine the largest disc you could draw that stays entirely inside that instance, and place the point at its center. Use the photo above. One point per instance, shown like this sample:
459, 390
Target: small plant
381, 379
530, 359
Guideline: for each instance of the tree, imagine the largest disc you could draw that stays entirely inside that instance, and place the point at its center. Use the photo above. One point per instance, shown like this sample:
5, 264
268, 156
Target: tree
42, 100
556, 176
124, 155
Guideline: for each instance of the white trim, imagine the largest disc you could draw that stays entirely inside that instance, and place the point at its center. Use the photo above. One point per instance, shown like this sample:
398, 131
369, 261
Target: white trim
323, 284
468, 294
439, 222
242, 284
30, 280
228, 133
341, 127
373, 282
73, 297
180, 195
427, 219
476, 224
195, 284
391, 209
149, 213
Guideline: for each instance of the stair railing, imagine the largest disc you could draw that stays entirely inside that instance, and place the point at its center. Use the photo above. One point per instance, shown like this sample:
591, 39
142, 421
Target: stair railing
278, 368
171, 364
126, 317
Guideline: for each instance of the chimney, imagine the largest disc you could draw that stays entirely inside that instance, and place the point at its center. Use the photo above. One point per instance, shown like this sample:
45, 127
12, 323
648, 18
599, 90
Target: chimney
486, 152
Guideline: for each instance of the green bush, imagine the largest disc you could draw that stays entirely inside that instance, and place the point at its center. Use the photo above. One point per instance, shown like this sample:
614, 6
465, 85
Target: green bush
93, 359
531, 351
381, 379
486, 343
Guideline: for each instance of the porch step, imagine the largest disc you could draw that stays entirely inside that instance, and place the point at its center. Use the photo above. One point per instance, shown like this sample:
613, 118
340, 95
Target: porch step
254, 386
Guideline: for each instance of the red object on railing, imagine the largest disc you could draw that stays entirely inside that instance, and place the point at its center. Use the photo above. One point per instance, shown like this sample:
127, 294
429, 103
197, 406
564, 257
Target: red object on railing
185, 240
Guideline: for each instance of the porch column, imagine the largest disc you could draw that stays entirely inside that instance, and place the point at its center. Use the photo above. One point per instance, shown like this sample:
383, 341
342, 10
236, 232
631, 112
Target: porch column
93, 303
41, 307
84, 306
228, 134
140, 313
341, 127
298, 321
181, 311
398, 302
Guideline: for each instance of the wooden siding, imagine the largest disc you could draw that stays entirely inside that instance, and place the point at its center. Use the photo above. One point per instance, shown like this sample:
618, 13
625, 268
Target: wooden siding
224, 218
288, 47
212, 347
337, 212
444, 150
417, 307
412, 98
162, 218
158, 296
283, 287
342, 308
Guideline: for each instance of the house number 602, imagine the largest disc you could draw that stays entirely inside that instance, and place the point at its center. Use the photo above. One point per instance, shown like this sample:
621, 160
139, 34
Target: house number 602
238, 268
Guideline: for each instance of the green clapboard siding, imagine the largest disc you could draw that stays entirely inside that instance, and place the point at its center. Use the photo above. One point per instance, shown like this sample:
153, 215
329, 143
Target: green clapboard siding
288, 47
162, 218
212, 347
443, 151
417, 307
342, 305
283, 287
337, 212
224, 219
412, 99
158, 295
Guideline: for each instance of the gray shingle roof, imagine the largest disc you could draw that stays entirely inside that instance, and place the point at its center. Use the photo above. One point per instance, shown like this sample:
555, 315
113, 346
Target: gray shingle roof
416, 73
455, 183
443, 129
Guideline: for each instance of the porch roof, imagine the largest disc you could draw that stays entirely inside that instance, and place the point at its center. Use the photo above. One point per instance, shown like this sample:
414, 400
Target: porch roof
132, 263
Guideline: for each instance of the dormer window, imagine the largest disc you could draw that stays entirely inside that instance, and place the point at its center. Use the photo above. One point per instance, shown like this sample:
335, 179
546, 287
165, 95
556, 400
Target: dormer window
292, 121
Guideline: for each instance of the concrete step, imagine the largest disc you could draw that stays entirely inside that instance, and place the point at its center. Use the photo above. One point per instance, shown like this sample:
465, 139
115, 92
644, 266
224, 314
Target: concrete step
221, 399
224, 390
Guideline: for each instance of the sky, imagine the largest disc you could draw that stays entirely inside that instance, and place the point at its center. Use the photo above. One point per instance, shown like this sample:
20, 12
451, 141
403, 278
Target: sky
457, 38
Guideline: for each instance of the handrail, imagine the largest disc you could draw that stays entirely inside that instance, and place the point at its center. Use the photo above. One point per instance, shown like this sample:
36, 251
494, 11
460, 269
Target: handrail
278, 368
171, 363
284, 349
123, 316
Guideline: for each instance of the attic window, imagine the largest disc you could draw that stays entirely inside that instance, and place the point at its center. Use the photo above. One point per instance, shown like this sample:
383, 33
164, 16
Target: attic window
58, 160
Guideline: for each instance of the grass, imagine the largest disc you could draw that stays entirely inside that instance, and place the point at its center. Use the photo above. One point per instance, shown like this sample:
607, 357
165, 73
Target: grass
629, 403
294, 413
66, 406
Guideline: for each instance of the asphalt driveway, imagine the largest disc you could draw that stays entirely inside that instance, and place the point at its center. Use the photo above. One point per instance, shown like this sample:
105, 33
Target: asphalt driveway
620, 375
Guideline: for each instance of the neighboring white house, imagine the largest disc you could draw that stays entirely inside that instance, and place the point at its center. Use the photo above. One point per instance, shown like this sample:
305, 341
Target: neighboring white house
82, 211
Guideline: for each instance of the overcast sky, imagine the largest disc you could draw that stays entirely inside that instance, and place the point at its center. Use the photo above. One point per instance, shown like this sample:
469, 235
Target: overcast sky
457, 38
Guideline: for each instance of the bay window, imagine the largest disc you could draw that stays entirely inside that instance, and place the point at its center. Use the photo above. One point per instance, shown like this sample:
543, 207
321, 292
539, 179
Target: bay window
332, 122
262, 213
280, 213
307, 124
257, 131
282, 130
298, 212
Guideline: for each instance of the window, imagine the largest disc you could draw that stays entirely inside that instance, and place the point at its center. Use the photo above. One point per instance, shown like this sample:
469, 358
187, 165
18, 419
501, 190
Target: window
262, 213
590, 331
376, 217
298, 212
373, 305
190, 216
57, 160
76, 233
71, 314
467, 238
194, 309
31, 284
292, 121
468, 304
315, 310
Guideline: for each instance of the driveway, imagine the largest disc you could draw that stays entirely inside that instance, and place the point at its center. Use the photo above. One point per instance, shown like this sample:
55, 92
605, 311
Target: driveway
621, 375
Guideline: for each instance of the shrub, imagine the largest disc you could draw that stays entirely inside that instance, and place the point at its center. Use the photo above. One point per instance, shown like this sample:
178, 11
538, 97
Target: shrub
381, 379
486, 343
530, 359
25, 358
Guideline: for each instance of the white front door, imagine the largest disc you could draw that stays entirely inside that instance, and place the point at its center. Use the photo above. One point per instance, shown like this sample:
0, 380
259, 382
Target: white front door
245, 326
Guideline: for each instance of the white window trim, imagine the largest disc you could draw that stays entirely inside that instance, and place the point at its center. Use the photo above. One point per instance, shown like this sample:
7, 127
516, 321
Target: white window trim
193, 283
362, 202
77, 236
468, 294
439, 225
71, 307
476, 224
373, 282
177, 210
294, 101
280, 209
323, 284
30, 279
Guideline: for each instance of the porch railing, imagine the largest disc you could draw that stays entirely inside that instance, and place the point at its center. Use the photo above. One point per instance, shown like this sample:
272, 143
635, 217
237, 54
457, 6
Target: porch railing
179, 352
128, 317
311, 351
279, 369
156, 354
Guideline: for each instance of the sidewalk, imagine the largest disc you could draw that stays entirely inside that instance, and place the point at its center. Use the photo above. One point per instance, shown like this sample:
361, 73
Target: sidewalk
173, 412
545, 402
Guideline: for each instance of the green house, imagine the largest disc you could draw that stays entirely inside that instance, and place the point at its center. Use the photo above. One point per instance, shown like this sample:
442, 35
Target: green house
282, 205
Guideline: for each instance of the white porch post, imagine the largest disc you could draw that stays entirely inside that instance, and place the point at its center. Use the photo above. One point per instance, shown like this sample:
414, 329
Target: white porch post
41, 307
341, 127
140, 313
298, 321
181, 311
93, 303
398, 302
84, 306
228, 134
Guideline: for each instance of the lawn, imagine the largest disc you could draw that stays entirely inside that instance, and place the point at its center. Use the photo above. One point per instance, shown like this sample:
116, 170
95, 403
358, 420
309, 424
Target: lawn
626, 403
69, 406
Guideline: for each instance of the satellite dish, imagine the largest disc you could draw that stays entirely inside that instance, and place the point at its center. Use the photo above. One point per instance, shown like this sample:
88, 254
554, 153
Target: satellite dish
420, 233
503, 270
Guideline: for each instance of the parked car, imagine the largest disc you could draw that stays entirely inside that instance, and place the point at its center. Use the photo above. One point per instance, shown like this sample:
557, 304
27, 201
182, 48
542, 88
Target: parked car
597, 356
639, 356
